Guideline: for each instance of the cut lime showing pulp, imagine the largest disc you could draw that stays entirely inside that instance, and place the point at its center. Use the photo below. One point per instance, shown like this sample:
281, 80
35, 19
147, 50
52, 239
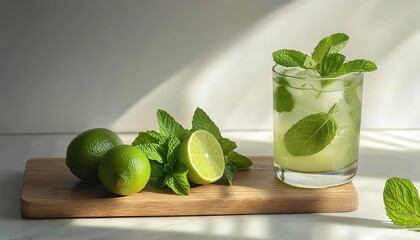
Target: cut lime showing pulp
202, 154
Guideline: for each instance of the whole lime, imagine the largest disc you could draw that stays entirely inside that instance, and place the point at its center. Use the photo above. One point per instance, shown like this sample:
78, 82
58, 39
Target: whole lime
87, 149
125, 170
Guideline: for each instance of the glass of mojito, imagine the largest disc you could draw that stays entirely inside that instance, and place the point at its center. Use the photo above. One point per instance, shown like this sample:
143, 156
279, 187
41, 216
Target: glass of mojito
317, 103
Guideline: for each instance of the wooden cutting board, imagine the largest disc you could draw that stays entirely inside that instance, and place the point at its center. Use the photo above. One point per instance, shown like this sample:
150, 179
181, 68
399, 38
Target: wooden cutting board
51, 191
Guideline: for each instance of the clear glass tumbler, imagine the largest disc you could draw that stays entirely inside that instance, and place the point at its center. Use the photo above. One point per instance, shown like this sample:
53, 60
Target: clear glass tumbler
316, 127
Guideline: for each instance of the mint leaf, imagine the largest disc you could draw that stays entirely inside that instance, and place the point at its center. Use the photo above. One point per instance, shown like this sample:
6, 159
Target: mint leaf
227, 145
281, 81
330, 64
152, 151
202, 121
156, 170
325, 58
173, 148
293, 58
311, 134
402, 202
330, 44
178, 182
229, 172
238, 160
358, 65
283, 100
168, 126
146, 137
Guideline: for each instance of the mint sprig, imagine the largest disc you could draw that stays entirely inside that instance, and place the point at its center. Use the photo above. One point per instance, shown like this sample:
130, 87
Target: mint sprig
325, 58
293, 58
402, 203
162, 149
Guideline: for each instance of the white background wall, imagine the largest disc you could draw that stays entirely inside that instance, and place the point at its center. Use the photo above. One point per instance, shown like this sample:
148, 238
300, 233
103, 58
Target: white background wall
66, 66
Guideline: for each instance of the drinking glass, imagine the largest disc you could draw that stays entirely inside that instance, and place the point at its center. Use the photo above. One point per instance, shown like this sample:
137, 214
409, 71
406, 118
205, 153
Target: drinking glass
316, 127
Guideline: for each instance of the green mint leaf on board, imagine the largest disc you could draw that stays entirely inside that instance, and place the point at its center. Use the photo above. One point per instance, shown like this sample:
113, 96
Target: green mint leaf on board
330, 64
402, 203
283, 100
168, 126
311, 134
156, 170
173, 147
238, 160
178, 182
146, 137
227, 145
229, 172
293, 58
330, 44
202, 121
152, 151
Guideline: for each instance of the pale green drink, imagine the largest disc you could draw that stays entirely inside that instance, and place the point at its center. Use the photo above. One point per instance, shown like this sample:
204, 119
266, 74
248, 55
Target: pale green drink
316, 126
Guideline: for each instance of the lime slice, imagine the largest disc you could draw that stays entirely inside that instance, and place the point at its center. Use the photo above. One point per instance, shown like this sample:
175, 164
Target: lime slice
202, 155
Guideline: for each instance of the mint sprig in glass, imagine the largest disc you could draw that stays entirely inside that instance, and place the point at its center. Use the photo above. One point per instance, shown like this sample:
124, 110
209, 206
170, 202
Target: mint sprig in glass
316, 114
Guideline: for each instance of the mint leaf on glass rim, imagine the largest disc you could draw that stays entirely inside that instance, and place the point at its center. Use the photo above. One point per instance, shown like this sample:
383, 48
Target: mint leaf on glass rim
311, 134
330, 44
358, 65
324, 58
331, 63
293, 58
402, 203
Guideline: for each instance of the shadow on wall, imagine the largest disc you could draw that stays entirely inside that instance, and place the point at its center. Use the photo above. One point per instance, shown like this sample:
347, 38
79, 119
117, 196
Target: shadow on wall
68, 66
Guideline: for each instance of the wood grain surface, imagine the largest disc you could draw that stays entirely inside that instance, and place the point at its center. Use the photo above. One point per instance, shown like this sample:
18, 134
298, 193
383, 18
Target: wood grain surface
51, 191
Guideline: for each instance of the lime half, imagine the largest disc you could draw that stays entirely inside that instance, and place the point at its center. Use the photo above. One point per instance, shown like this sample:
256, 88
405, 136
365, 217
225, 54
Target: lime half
203, 156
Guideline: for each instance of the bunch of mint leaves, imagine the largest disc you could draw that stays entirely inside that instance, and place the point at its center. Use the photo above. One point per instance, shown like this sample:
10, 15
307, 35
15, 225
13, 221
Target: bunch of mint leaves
325, 58
162, 148
402, 203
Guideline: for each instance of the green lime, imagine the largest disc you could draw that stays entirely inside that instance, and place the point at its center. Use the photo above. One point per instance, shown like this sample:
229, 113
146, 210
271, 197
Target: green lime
87, 149
203, 156
124, 170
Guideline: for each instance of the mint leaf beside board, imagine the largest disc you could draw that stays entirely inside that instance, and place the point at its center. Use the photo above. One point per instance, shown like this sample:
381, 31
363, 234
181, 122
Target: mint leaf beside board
162, 148
402, 203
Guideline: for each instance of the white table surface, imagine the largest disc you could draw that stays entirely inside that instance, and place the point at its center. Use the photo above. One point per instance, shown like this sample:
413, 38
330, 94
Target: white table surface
383, 154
